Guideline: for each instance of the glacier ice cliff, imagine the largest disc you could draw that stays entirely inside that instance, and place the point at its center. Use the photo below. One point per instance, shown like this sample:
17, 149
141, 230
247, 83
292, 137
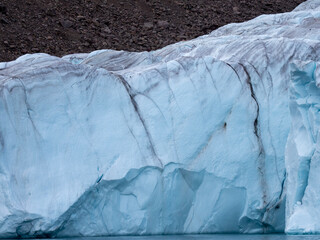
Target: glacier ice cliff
191, 138
303, 149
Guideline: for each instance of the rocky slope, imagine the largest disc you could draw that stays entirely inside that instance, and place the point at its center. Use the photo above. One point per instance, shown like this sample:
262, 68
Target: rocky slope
60, 27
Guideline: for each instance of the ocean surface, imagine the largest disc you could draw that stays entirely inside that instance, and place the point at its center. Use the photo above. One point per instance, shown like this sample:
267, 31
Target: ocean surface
207, 237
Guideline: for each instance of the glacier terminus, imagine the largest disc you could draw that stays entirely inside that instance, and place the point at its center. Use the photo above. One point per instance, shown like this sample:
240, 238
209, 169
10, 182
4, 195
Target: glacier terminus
217, 134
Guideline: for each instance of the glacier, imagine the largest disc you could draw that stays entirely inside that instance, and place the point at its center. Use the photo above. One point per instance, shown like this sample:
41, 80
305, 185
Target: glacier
303, 149
217, 134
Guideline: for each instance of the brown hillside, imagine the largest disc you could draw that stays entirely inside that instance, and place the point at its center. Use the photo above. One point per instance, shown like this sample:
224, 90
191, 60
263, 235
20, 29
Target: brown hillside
60, 27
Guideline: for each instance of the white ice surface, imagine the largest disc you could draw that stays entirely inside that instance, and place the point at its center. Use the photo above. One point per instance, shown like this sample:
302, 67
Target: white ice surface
190, 138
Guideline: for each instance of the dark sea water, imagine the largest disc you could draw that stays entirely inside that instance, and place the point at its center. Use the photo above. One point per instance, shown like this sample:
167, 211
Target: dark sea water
208, 237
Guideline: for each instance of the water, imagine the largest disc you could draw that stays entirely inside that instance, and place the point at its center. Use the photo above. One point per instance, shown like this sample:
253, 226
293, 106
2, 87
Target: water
208, 237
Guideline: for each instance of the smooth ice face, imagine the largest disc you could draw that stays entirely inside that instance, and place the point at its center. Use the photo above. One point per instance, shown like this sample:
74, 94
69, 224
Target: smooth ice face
303, 150
190, 138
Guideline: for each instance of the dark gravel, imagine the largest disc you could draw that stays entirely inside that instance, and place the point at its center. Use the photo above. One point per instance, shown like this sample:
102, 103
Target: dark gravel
60, 27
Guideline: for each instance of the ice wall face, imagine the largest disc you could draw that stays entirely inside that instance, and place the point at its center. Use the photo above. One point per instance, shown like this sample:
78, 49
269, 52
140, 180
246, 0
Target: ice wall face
187, 139
303, 152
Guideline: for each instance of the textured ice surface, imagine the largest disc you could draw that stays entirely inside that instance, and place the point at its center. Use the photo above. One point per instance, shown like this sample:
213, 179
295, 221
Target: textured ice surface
303, 150
190, 138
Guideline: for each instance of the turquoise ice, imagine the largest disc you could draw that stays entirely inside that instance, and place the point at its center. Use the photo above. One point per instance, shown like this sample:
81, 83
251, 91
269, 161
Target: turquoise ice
191, 138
